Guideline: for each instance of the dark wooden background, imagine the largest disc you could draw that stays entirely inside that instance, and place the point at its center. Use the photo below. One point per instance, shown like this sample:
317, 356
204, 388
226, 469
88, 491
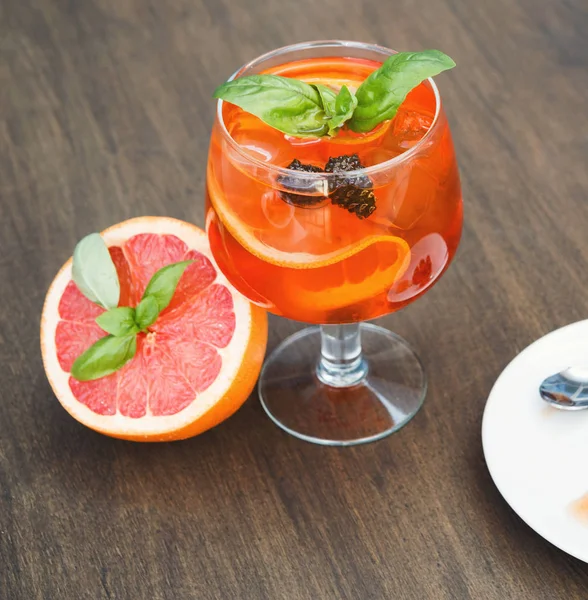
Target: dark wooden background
105, 113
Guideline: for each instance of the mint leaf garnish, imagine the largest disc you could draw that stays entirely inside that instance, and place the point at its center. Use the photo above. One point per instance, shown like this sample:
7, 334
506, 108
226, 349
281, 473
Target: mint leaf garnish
94, 272
382, 93
146, 312
103, 358
286, 104
118, 321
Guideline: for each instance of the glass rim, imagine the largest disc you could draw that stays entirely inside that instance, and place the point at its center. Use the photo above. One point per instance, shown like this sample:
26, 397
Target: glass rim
316, 177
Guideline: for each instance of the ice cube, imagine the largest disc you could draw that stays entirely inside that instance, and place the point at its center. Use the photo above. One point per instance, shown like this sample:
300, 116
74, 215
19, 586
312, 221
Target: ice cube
403, 202
409, 127
378, 155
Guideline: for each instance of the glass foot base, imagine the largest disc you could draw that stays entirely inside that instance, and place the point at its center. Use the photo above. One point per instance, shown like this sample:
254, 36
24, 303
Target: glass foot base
387, 398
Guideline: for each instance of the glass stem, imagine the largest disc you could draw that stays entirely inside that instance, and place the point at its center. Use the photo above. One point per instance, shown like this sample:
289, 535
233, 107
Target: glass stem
341, 363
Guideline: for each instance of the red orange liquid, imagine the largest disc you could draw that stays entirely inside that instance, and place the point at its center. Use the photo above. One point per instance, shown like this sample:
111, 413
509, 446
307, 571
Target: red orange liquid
322, 264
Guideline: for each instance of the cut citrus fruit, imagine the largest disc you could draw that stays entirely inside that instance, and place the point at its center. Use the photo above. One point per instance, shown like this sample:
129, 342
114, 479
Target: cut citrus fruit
380, 266
258, 242
194, 367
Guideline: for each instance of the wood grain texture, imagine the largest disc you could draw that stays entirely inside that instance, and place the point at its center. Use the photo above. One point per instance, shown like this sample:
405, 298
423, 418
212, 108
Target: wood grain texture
105, 113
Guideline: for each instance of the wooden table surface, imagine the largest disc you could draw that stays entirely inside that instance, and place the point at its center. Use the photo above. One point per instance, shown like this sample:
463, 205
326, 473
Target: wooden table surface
105, 113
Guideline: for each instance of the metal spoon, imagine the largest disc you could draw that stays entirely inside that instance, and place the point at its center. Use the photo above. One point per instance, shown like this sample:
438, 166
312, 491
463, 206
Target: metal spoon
567, 389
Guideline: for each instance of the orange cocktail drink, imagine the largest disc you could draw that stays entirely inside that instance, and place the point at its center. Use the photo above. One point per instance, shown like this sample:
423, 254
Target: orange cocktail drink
300, 254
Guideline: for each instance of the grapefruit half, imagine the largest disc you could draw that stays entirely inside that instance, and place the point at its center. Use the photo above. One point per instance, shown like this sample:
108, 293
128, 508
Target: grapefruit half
194, 367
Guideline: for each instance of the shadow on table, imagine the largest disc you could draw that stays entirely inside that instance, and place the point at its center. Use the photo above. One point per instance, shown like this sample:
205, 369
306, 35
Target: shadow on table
246, 456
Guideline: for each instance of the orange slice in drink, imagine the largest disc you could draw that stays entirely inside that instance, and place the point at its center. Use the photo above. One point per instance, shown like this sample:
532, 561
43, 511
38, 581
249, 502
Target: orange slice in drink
310, 295
312, 230
362, 276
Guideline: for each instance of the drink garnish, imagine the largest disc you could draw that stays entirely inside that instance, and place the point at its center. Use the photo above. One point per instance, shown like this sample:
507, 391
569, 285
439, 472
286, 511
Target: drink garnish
379, 97
314, 110
300, 184
354, 193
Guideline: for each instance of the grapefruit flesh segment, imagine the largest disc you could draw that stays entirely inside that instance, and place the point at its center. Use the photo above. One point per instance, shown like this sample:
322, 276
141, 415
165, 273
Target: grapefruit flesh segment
184, 359
124, 275
147, 253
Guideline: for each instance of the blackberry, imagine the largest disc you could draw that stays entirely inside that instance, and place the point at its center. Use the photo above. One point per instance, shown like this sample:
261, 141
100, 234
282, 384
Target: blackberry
355, 193
299, 184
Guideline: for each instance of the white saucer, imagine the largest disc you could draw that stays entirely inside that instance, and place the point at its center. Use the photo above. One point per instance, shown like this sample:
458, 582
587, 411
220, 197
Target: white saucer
538, 455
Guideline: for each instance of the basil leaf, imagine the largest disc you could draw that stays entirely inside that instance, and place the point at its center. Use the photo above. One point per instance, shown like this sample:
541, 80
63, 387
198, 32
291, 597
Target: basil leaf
286, 104
147, 312
104, 357
162, 285
328, 98
118, 321
94, 272
380, 95
338, 107
345, 104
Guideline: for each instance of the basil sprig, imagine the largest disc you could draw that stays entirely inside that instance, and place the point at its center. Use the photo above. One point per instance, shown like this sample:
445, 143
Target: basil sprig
315, 110
92, 272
